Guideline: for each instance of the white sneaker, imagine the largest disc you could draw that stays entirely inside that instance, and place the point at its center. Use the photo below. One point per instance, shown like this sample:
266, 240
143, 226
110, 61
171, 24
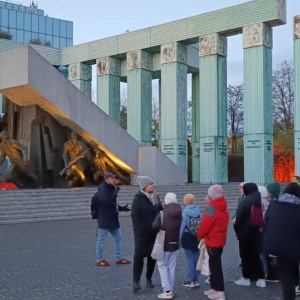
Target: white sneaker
261, 283
297, 290
207, 280
243, 282
189, 284
196, 283
166, 295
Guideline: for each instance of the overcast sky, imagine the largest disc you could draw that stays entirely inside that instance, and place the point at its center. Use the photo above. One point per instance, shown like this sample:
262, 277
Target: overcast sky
96, 19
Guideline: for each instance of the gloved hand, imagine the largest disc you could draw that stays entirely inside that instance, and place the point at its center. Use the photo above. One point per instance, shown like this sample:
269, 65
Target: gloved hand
124, 208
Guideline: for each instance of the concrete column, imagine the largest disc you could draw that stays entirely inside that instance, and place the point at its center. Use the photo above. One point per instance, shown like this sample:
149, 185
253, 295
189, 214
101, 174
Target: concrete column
258, 104
174, 103
139, 96
213, 109
108, 86
81, 76
297, 92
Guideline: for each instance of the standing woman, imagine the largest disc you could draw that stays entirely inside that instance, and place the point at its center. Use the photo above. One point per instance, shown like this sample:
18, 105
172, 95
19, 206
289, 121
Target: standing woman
145, 207
248, 236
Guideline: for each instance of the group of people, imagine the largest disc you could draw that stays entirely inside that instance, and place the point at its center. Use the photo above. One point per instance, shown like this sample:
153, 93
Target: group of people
267, 227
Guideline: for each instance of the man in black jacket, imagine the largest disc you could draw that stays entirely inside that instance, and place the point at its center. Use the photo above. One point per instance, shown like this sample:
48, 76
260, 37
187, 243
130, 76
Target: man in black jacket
104, 208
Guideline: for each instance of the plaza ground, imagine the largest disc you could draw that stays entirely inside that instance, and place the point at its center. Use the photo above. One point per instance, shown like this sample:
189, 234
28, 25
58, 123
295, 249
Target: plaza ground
57, 261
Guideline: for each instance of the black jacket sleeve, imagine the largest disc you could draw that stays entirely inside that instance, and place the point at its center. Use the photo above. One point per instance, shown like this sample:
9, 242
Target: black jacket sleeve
156, 225
239, 216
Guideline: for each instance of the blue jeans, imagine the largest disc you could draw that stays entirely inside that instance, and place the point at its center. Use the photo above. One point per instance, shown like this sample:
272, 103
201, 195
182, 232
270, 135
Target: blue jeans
117, 235
192, 258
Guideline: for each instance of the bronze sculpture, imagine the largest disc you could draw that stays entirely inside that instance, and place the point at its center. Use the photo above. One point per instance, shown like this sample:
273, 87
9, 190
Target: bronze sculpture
73, 151
20, 172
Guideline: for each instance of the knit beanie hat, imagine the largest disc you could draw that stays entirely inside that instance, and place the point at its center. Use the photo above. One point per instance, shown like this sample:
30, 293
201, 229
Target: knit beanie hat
189, 199
170, 198
274, 189
144, 181
215, 191
292, 189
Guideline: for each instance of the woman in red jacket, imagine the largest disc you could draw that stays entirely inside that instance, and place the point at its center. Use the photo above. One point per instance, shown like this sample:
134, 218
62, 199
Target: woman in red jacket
214, 229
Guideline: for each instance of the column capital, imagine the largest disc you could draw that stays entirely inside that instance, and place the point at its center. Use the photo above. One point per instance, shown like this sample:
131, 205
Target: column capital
173, 52
213, 44
139, 60
297, 27
257, 35
108, 66
282, 10
80, 71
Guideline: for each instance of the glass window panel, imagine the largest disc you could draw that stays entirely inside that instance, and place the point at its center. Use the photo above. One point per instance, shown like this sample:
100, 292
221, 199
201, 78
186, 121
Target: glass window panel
63, 43
49, 25
34, 35
55, 27
55, 42
27, 36
35, 23
40, 12
20, 20
28, 9
42, 24
12, 19
15, 6
13, 32
21, 8
20, 36
69, 30
63, 28
9, 5
49, 39
4, 17
42, 37
69, 42
27, 21
2, 4
5, 29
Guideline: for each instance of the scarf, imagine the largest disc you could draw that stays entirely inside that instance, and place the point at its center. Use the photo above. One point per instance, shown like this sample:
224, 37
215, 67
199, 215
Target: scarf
151, 197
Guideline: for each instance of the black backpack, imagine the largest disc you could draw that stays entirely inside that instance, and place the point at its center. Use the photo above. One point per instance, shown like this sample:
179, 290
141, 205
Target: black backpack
189, 239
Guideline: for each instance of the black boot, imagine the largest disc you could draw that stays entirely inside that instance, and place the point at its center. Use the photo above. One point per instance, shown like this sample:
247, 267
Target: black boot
149, 283
136, 286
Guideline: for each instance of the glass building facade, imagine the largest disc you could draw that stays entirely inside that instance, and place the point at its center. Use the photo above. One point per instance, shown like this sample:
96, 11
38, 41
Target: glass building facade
26, 24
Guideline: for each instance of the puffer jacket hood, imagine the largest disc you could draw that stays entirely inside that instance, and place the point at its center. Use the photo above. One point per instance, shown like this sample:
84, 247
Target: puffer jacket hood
192, 211
220, 204
289, 198
173, 210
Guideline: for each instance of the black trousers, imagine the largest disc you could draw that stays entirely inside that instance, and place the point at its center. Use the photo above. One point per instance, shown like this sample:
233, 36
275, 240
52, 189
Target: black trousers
138, 265
271, 267
216, 272
288, 274
252, 267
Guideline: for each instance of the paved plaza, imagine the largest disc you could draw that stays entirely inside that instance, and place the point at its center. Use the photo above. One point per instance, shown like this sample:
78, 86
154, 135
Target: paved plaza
57, 260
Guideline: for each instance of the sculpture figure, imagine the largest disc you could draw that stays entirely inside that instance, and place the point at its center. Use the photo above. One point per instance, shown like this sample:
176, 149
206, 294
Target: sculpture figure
73, 151
20, 170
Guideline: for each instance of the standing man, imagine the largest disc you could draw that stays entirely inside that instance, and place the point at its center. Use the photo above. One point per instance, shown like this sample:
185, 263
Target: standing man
104, 208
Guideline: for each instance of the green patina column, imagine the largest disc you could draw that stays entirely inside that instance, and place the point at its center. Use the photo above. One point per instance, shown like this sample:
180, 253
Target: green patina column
173, 138
297, 92
139, 96
258, 104
108, 86
213, 109
81, 76
196, 127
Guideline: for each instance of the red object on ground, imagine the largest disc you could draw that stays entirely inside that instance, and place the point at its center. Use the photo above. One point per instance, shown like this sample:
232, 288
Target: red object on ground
122, 262
7, 186
103, 263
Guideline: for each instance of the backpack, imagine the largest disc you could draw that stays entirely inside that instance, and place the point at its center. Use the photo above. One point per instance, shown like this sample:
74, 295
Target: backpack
256, 217
190, 238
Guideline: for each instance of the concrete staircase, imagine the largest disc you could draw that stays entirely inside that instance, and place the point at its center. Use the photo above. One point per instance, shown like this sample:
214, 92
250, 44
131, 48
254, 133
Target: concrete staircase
40, 205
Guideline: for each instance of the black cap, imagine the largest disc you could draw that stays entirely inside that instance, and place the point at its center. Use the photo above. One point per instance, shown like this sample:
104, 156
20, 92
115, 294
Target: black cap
109, 175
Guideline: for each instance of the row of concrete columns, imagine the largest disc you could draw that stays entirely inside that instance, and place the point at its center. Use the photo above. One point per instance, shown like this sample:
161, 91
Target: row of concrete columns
209, 99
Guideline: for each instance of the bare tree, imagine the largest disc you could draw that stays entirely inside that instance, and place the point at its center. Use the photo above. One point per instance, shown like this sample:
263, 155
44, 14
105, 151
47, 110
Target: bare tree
235, 114
283, 97
155, 121
189, 117
123, 109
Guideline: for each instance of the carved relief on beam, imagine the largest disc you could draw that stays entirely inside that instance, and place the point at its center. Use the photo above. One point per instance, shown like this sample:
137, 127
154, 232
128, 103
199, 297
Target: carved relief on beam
139, 60
108, 66
297, 27
213, 44
80, 71
173, 52
257, 35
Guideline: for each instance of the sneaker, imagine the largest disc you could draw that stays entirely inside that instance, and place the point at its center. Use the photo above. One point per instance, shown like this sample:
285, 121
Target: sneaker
243, 282
261, 283
122, 262
207, 280
217, 296
103, 263
297, 290
189, 284
210, 292
196, 283
165, 295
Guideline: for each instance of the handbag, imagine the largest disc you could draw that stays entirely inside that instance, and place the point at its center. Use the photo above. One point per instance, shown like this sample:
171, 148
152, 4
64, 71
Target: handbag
256, 218
203, 262
158, 248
